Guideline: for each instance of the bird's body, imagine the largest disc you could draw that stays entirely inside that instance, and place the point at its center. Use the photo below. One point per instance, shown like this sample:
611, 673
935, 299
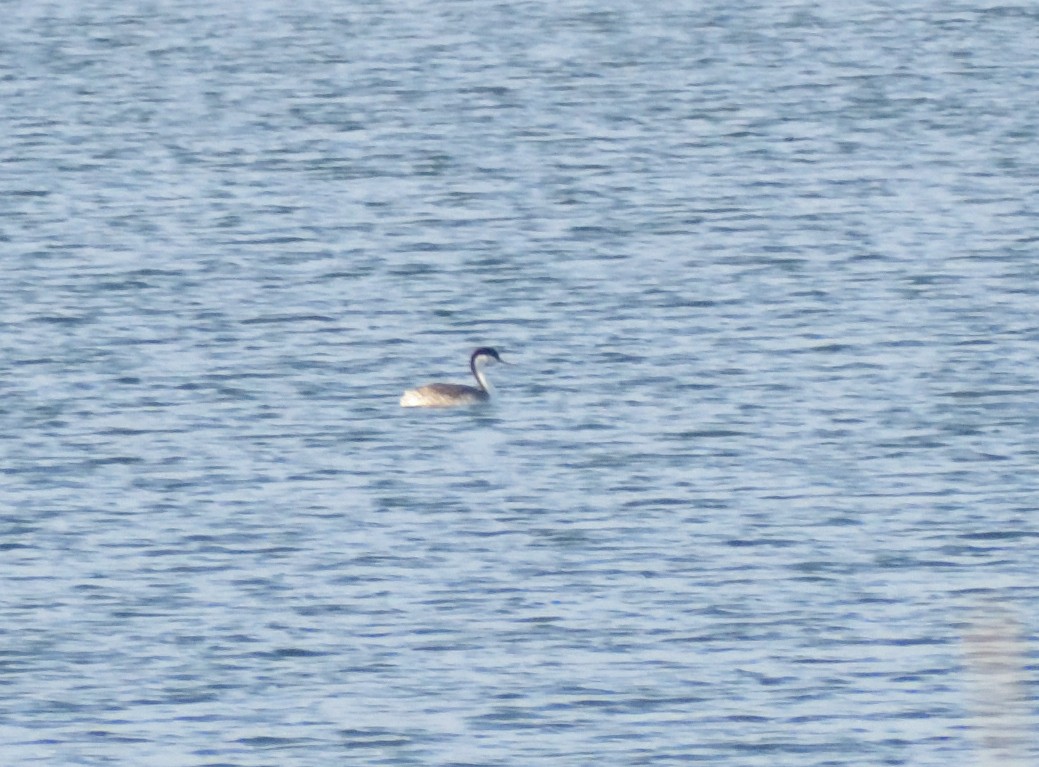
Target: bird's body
452, 395
443, 395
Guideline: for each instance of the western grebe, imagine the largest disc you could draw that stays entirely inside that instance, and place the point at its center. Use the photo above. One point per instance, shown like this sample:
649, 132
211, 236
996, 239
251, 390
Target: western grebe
449, 395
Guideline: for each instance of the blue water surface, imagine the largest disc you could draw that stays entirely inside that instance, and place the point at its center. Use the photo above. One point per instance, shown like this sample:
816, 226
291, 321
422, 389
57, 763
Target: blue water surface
759, 489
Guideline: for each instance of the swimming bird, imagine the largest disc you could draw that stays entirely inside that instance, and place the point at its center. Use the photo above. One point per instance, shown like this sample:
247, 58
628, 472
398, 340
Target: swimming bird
450, 395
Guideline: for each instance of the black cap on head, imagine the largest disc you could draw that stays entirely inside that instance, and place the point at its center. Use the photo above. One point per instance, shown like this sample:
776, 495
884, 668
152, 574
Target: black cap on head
483, 356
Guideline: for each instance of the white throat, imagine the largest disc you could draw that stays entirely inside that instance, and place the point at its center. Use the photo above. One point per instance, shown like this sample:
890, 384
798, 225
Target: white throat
478, 372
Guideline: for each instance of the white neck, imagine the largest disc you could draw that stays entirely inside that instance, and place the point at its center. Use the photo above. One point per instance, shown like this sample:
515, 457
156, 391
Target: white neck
484, 383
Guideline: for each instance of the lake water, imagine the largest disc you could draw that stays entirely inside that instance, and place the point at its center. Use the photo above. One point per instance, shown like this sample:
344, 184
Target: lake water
760, 487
